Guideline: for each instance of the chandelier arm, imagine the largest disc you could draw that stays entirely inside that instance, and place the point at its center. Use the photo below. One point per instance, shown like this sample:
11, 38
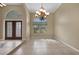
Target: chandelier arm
42, 12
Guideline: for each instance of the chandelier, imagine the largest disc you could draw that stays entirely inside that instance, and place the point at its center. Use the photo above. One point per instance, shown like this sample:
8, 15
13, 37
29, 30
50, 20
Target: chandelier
2, 5
41, 12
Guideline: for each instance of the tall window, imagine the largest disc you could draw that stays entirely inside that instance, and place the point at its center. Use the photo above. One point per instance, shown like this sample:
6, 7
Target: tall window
40, 25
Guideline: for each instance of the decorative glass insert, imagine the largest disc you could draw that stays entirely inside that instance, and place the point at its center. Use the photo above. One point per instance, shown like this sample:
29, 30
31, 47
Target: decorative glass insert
18, 29
13, 15
40, 25
9, 29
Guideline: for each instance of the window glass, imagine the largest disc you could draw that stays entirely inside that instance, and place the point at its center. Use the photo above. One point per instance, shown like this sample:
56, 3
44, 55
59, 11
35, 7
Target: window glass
40, 25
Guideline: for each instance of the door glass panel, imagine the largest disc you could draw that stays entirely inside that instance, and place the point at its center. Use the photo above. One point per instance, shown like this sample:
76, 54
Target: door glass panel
9, 29
18, 29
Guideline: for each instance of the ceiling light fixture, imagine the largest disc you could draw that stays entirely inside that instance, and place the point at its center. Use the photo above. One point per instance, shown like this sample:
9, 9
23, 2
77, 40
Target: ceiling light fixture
42, 12
2, 5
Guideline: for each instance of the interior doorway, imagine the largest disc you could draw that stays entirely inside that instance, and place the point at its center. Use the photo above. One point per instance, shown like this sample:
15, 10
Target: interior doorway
13, 30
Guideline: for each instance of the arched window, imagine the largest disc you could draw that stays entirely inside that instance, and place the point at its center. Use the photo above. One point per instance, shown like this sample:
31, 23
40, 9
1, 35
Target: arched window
13, 15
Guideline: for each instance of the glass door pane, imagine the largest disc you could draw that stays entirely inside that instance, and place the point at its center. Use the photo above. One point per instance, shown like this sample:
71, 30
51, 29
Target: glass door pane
18, 29
9, 29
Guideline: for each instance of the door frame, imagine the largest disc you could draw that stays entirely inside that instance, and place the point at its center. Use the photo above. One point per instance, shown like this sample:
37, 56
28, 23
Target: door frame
13, 35
9, 20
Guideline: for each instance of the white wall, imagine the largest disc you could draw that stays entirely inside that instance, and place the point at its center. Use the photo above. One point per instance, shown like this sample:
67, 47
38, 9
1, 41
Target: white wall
67, 24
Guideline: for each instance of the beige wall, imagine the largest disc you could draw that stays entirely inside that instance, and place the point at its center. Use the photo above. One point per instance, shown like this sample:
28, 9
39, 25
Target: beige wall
21, 10
50, 28
27, 23
0, 23
67, 24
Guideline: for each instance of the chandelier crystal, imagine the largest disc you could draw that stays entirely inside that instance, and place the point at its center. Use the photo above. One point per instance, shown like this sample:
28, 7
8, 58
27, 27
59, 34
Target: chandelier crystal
42, 12
2, 5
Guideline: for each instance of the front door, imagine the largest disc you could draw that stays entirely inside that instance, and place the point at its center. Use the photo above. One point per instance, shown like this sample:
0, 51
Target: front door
13, 30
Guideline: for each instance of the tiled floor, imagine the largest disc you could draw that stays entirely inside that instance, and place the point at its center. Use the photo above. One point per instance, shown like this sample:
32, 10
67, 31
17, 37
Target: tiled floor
7, 46
44, 47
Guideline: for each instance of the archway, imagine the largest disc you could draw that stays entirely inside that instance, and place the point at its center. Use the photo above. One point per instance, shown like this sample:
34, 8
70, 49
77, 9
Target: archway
13, 25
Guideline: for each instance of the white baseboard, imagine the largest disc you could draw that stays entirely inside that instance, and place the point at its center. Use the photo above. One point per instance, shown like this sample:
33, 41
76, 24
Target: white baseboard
72, 47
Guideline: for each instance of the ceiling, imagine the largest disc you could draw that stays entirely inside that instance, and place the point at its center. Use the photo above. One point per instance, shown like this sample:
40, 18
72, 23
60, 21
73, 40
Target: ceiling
50, 7
32, 7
